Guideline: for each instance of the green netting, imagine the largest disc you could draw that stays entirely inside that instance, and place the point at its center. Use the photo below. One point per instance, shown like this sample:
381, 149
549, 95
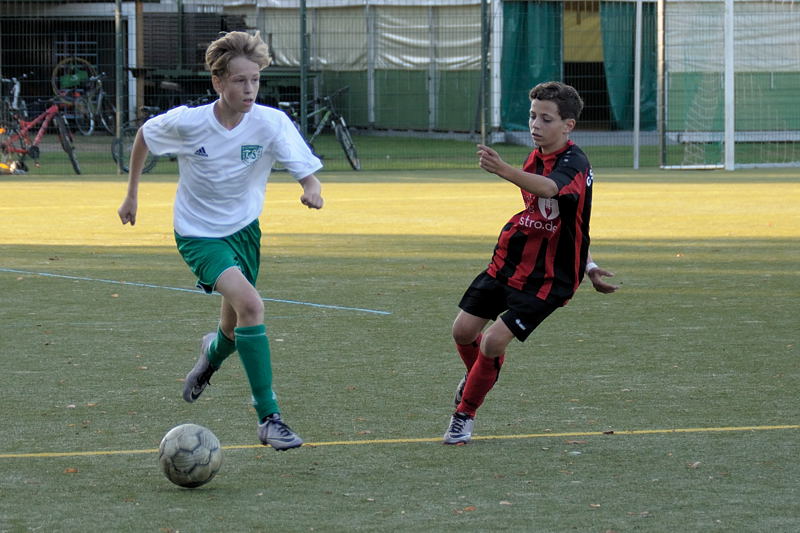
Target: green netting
617, 22
531, 54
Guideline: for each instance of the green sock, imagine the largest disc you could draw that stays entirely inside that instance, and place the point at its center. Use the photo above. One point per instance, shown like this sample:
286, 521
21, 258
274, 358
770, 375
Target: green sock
253, 346
220, 349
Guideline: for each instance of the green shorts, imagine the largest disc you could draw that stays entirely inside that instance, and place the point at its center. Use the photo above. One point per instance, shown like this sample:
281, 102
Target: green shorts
208, 258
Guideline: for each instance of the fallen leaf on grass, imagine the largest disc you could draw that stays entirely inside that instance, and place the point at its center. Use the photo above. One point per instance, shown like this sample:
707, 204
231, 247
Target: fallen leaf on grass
504, 502
71, 470
594, 505
694, 465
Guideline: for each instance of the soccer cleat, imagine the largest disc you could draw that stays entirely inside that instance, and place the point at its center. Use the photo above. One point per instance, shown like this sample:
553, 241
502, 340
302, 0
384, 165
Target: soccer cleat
460, 430
273, 432
460, 390
199, 377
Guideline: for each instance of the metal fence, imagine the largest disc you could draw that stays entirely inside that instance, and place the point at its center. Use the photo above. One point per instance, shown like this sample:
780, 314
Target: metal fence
425, 79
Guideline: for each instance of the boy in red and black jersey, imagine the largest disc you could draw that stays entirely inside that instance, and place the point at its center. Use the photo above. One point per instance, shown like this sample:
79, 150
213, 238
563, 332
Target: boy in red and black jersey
542, 250
541, 254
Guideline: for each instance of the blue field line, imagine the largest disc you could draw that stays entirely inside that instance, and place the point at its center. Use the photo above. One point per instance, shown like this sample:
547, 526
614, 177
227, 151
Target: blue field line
194, 291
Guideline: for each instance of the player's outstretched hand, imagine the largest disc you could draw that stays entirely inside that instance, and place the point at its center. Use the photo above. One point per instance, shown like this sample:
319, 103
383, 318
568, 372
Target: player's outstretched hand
488, 159
127, 211
596, 276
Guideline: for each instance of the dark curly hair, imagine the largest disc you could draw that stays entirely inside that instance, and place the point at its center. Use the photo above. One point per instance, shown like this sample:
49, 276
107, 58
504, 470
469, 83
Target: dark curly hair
565, 96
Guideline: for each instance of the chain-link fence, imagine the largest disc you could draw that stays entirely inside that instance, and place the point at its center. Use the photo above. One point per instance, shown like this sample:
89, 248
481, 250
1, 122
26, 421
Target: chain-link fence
423, 80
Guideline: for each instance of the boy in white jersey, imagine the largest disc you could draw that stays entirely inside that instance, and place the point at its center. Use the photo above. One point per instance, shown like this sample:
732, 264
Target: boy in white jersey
225, 151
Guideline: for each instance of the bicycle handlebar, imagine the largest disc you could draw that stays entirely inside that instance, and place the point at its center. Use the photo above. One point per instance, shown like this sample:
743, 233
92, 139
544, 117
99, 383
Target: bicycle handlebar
50, 101
339, 91
12, 79
316, 100
331, 96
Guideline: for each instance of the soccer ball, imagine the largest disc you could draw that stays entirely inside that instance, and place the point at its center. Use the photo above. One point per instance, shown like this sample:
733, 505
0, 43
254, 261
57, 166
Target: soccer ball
190, 455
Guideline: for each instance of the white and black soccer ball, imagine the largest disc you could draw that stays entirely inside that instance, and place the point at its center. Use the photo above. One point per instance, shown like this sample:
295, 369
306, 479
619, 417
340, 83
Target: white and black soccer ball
190, 455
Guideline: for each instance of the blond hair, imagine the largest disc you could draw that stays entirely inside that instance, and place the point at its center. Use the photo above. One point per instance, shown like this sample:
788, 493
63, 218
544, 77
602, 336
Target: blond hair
235, 44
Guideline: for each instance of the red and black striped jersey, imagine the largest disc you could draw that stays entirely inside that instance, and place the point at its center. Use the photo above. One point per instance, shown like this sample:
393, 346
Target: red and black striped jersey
542, 250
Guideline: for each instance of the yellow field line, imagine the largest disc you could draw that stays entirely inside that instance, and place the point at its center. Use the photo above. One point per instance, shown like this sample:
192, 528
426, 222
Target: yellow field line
434, 439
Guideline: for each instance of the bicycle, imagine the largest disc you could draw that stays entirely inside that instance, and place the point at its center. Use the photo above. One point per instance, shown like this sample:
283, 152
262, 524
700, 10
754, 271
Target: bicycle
121, 146
325, 114
16, 144
11, 105
92, 105
76, 82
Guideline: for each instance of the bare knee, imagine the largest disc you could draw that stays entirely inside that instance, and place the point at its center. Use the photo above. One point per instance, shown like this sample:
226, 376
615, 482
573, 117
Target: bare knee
463, 337
250, 312
466, 328
495, 341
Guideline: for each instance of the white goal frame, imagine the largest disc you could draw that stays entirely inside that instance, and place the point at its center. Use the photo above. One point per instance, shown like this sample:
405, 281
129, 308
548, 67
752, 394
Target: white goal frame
719, 73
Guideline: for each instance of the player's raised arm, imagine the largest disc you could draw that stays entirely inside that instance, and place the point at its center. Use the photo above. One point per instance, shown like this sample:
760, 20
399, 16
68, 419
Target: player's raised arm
490, 161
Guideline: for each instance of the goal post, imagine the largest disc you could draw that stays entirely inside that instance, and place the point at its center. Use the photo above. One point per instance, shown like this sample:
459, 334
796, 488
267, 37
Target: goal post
729, 75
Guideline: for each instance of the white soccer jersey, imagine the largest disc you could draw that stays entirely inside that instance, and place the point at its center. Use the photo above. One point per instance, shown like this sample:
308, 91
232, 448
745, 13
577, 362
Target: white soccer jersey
223, 173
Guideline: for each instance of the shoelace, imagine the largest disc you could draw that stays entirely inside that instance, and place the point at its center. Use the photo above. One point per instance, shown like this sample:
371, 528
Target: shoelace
282, 428
458, 425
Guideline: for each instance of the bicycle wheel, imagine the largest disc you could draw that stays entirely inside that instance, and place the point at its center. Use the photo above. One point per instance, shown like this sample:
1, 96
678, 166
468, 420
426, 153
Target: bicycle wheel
121, 151
108, 115
72, 75
346, 140
65, 136
84, 119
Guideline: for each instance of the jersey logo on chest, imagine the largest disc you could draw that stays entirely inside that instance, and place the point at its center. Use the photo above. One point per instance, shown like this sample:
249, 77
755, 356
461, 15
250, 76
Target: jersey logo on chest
251, 153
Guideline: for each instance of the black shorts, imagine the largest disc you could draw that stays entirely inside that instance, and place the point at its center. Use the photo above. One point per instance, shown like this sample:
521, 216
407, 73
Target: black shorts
522, 312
